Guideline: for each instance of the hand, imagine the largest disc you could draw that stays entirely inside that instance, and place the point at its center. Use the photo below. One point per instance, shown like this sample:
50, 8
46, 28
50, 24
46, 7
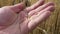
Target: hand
17, 20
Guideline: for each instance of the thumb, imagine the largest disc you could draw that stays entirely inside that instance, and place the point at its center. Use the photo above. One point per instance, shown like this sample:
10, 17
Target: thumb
18, 7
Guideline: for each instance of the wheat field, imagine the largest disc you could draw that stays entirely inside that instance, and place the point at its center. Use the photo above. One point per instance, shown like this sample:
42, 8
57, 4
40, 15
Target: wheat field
50, 26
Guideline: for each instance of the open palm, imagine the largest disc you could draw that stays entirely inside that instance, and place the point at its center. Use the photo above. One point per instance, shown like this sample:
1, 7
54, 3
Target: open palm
17, 20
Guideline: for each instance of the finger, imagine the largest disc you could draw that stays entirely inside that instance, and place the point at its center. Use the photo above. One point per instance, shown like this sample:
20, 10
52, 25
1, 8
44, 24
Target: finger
40, 8
18, 7
33, 23
39, 3
49, 8
44, 6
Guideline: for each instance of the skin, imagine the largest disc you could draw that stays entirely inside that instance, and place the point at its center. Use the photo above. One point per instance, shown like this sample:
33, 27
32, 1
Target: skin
17, 19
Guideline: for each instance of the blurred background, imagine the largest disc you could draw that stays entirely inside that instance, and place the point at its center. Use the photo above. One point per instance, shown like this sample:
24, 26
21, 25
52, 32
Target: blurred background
50, 26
